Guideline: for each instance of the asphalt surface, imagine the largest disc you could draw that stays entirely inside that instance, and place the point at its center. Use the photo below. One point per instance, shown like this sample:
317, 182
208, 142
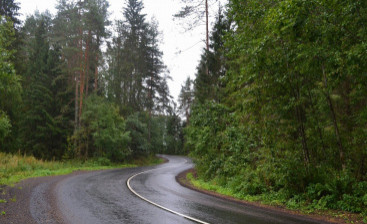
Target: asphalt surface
103, 197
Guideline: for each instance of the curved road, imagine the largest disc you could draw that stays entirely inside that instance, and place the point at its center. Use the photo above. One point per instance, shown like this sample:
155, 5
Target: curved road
103, 197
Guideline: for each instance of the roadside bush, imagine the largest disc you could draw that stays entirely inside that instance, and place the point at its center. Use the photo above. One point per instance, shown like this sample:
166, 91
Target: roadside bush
137, 125
4, 126
103, 161
103, 132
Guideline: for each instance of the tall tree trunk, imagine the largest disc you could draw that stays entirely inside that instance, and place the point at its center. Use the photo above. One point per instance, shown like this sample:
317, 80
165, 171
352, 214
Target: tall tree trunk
81, 78
72, 65
120, 100
318, 123
300, 117
76, 119
207, 36
187, 114
81, 91
335, 123
150, 95
96, 67
86, 61
300, 114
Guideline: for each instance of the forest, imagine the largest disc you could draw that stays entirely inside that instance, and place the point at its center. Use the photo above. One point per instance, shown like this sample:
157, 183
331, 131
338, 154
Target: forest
277, 110
76, 85
280, 116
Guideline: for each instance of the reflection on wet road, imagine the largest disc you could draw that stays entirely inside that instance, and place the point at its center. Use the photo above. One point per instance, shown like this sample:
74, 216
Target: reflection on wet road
159, 186
103, 197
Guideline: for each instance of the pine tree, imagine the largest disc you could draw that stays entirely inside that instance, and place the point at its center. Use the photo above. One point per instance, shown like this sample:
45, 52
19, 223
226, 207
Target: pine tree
96, 22
67, 24
194, 11
80, 29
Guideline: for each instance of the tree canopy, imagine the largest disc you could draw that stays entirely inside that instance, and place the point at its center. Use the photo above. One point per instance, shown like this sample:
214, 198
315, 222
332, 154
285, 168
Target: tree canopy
64, 97
284, 117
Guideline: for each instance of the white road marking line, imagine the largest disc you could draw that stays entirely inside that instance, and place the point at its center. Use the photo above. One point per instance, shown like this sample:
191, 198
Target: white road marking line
157, 205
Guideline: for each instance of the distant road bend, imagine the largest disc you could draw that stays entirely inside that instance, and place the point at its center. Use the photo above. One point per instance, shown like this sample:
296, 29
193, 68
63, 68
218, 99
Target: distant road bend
142, 195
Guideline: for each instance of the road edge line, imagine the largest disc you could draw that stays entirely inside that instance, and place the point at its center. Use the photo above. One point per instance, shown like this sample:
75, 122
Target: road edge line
158, 205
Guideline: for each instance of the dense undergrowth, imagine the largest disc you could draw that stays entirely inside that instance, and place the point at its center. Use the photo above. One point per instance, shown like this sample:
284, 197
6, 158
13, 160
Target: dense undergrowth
319, 205
14, 168
235, 164
280, 113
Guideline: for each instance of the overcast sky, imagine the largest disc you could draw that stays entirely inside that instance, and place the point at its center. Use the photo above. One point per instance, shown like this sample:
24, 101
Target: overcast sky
181, 50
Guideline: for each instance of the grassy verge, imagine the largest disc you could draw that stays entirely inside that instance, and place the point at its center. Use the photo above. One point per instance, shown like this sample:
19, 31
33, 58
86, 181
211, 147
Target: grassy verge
274, 200
14, 168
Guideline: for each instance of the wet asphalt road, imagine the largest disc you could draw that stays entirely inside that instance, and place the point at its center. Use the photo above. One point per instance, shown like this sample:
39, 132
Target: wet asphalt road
103, 197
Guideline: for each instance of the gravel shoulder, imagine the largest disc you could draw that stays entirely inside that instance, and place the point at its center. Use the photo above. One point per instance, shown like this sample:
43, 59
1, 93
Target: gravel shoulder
32, 200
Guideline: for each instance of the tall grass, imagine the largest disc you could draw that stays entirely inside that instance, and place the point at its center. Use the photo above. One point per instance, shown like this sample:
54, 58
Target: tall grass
14, 168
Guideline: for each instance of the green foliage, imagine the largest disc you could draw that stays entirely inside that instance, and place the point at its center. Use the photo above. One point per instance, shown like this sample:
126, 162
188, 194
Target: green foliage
136, 78
165, 135
137, 125
103, 131
5, 126
41, 130
62, 107
9, 9
173, 136
283, 119
136, 81
10, 89
186, 98
207, 86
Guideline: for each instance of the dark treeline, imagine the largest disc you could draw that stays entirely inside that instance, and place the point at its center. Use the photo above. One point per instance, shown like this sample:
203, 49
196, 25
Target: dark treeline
76, 85
281, 116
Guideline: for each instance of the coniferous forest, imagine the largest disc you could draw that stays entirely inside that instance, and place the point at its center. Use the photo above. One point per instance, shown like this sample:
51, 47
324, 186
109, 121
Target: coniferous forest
277, 111
76, 85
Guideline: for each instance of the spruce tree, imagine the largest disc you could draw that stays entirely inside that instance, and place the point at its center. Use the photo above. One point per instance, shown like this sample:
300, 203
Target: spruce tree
137, 77
208, 85
186, 98
41, 132
10, 8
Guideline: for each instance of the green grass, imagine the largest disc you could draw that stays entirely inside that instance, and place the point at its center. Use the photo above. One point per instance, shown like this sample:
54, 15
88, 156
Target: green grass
212, 186
14, 168
275, 199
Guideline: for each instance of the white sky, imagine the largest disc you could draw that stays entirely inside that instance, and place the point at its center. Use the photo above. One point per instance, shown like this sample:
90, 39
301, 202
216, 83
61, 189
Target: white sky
190, 44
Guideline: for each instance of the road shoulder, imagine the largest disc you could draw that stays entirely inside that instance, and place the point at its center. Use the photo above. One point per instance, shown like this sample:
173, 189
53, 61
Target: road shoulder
32, 200
185, 182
